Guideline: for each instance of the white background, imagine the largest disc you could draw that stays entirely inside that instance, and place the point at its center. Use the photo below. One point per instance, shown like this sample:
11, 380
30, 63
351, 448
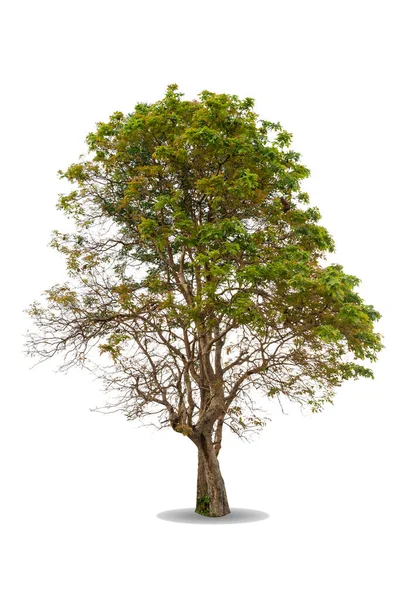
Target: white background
80, 491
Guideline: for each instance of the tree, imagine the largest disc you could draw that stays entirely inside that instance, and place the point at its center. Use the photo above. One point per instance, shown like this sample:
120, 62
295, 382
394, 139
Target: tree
195, 270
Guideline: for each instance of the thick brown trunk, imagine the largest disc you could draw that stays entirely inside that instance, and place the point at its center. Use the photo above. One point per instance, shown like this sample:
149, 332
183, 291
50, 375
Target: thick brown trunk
211, 500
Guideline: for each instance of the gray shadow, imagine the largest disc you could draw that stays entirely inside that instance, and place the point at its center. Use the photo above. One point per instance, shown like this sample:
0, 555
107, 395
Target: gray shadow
237, 515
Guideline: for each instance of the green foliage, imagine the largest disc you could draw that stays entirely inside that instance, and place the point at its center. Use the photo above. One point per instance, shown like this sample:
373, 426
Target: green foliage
114, 344
328, 333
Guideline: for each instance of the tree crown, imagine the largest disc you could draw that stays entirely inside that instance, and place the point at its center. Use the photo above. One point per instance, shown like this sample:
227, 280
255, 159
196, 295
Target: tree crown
195, 266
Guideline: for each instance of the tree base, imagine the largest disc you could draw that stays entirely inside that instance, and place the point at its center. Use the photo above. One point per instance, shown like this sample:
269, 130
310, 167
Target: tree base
203, 507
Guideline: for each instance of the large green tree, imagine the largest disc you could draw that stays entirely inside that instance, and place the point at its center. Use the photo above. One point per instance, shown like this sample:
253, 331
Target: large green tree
195, 270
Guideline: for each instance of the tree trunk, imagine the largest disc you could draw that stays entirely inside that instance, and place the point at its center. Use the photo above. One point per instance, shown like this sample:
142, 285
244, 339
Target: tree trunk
212, 500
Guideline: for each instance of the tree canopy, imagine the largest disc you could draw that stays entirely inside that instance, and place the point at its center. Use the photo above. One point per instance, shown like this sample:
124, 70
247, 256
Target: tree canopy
196, 270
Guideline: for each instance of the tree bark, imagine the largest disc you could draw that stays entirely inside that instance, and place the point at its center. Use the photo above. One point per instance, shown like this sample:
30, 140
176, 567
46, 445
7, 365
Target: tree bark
211, 500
